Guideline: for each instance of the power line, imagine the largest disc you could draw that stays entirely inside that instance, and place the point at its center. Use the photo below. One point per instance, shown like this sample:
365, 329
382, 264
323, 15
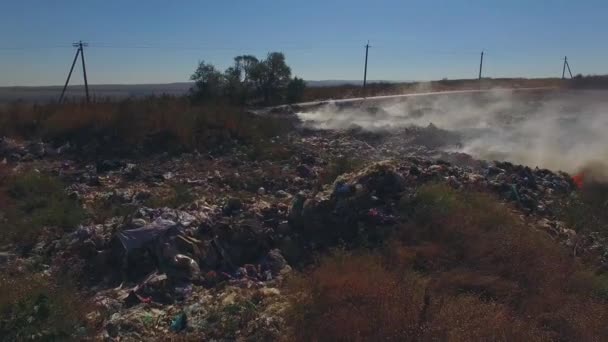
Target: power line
208, 49
17, 48
293, 46
383, 51
281, 45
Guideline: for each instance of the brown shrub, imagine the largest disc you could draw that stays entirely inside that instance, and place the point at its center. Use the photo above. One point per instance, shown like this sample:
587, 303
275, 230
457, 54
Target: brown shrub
487, 287
462, 267
467, 318
354, 298
511, 262
475, 230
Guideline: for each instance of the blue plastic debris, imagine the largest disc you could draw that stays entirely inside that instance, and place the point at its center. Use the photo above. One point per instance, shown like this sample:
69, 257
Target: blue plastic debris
179, 322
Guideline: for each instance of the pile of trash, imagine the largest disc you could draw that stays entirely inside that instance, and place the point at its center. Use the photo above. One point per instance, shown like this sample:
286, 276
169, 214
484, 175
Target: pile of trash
13, 150
169, 270
363, 200
211, 265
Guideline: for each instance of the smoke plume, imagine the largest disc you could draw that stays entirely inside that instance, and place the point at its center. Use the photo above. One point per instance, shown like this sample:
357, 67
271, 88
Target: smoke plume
557, 130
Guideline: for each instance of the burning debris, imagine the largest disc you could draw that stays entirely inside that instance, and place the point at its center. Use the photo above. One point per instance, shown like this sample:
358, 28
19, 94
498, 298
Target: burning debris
555, 130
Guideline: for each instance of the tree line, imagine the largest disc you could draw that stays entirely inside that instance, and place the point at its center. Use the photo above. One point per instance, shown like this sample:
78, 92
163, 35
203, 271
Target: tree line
248, 81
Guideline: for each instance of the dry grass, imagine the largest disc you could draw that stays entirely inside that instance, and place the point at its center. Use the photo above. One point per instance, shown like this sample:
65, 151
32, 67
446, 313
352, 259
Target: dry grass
461, 268
358, 297
475, 230
353, 298
468, 318
151, 124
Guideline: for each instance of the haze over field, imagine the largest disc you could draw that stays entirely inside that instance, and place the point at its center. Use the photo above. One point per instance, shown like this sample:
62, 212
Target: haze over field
559, 131
118, 91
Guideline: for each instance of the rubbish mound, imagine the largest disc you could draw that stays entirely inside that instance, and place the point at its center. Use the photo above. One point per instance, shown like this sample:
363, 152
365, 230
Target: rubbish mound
198, 245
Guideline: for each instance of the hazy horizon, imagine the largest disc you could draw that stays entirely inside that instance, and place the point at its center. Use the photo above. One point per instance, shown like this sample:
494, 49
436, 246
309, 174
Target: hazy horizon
338, 82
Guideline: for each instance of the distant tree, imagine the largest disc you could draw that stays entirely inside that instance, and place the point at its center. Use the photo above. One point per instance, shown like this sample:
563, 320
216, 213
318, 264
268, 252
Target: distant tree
240, 86
269, 79
245, 64
234, 88
271, 76
209, 82
295, 90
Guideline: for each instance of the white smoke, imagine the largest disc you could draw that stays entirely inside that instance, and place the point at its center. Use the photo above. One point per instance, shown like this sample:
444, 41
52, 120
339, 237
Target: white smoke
553, 129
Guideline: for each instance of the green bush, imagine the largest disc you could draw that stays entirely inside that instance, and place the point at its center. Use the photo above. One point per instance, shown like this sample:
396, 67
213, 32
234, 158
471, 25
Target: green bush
34, 307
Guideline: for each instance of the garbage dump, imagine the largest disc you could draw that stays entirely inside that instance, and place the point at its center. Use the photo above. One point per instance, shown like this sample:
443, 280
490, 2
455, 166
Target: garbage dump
194, 244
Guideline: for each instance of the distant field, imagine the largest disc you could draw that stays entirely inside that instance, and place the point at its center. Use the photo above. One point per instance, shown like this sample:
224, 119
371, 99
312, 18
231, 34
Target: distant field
316, 90
386, 88
44, 94
50, 93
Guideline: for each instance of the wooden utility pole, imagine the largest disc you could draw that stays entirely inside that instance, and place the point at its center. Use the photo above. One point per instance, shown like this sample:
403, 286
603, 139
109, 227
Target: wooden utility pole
80, 51
84, 68
480, 65
566, 65
365, 70
69, 75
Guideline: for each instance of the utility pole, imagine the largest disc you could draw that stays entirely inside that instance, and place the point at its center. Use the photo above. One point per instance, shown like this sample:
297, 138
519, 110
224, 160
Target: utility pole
69, 75
80, 51
365, 70
84, 69
480, 65
566, 65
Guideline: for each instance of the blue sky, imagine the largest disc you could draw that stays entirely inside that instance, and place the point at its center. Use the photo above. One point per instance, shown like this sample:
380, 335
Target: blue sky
162, 41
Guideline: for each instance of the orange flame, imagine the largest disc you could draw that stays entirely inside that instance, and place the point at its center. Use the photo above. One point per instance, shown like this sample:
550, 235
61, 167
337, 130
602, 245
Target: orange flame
578, 180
